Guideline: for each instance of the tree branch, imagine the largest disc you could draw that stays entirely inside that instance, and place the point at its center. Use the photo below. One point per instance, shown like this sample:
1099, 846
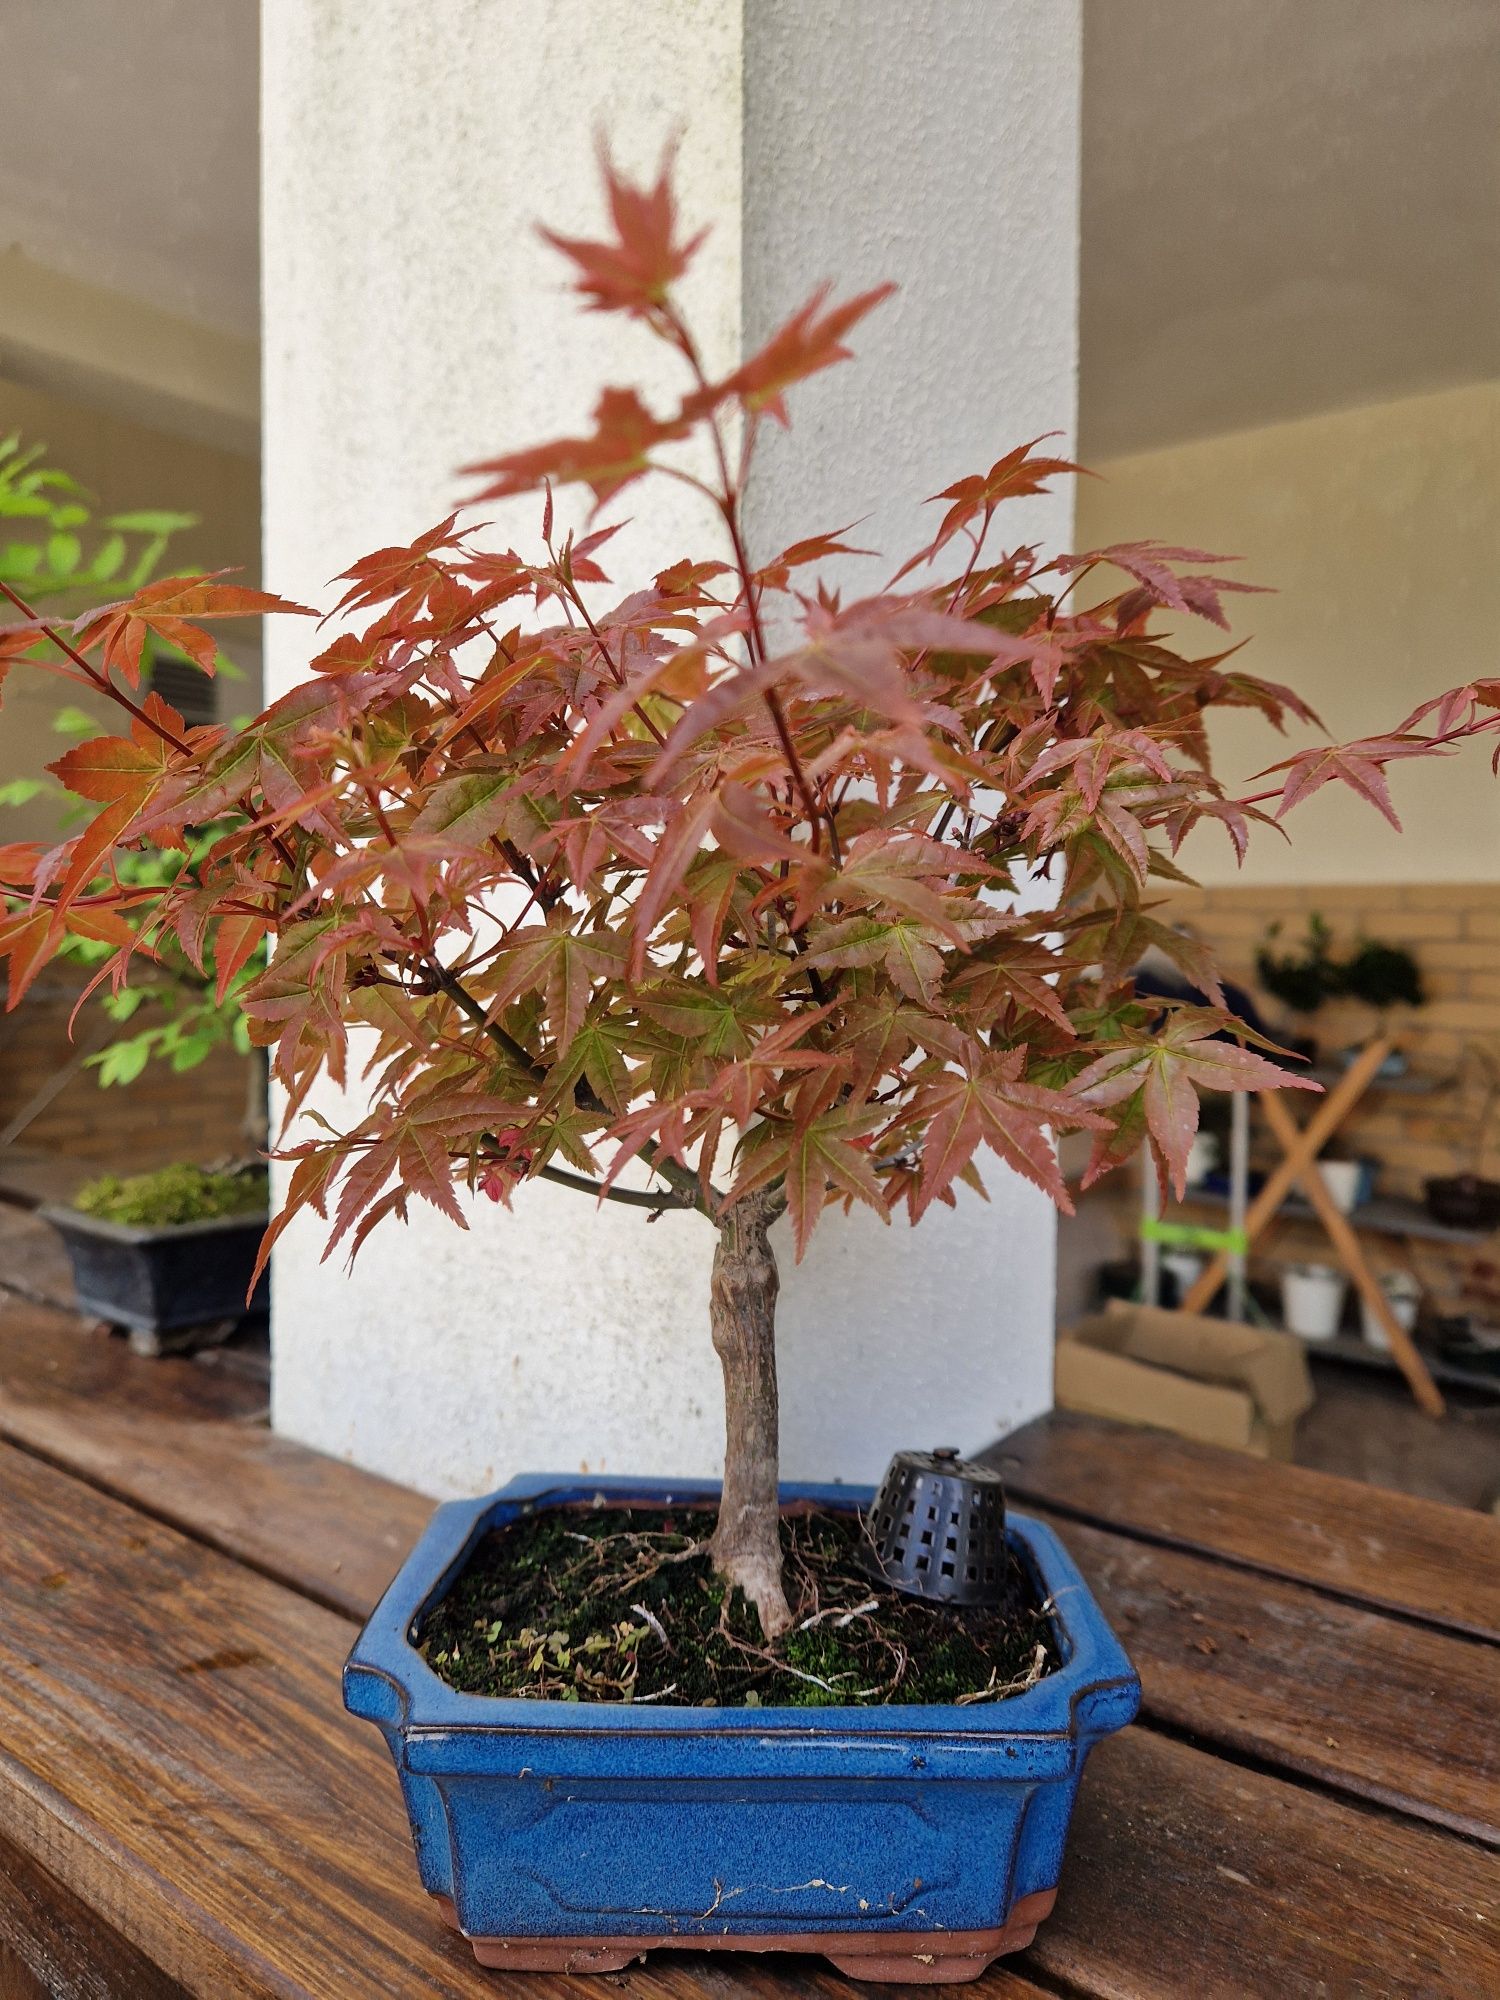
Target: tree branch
631, 1197
96, 678
681, 1179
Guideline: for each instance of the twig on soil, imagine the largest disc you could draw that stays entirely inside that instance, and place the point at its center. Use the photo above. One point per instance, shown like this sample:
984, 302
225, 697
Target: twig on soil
994, 1692
834, 1610
654, 1622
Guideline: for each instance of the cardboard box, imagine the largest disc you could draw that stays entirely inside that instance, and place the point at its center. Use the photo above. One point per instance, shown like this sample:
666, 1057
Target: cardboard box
1211, 1379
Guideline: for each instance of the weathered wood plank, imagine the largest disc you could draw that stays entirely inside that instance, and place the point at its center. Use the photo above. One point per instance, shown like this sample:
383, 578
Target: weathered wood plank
1418, 1557
173, 1751
175, 1754
1186, 1876
185, 1441
54, 1947
1355, 1699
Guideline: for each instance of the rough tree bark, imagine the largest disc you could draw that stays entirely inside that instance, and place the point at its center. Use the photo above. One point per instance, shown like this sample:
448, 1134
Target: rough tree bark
746, 1546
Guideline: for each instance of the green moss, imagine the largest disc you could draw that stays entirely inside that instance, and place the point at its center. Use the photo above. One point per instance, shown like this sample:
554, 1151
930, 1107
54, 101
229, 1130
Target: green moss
173, 1194
615, 1604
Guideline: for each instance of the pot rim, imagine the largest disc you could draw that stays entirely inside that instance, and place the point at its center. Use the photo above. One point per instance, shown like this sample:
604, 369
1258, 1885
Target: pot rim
1092, 1691
65, 1218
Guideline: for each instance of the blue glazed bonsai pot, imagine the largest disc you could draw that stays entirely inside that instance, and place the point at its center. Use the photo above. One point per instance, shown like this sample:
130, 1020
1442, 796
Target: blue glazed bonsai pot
903, 1842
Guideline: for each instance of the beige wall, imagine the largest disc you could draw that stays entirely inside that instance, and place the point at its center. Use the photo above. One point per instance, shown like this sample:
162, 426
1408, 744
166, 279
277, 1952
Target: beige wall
1380, 530
125, 466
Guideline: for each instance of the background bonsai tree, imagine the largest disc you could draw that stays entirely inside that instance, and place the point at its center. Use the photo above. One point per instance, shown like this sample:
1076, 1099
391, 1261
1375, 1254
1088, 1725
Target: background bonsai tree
704, 897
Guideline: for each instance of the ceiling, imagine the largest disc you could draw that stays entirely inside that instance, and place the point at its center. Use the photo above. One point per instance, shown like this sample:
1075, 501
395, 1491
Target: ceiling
1288, 205
130, 153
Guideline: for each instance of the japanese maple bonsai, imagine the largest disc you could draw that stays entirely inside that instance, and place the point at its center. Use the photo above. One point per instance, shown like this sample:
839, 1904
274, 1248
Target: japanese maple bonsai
702, 898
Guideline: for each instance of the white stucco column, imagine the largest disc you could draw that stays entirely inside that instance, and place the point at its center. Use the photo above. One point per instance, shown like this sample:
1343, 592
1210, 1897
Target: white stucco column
413, 323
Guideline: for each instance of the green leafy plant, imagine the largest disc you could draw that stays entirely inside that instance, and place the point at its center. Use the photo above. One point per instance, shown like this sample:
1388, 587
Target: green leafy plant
1382, 976
1304, 977
704, 898
59, 551
174, 1194
62, 550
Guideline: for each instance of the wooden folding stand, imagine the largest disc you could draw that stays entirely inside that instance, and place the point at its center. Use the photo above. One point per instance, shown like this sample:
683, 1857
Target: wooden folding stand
1300, 1146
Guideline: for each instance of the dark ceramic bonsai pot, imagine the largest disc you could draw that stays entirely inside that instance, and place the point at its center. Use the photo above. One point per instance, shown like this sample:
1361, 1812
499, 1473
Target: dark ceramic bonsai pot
168, 1283
1463, 1201
903, 1843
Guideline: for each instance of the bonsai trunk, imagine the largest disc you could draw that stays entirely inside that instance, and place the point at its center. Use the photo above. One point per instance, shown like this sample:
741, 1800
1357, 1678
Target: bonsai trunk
746, 1546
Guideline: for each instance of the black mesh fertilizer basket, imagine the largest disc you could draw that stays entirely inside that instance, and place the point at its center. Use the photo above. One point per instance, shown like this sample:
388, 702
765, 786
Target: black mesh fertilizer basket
937, 1528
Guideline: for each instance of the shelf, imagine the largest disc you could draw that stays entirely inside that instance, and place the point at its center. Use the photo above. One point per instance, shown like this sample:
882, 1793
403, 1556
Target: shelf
1351, 1351
1385, 1215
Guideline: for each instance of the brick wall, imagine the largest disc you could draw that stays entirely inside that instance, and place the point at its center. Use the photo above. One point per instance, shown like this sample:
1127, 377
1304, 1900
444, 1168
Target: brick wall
158, 1119
1453, 929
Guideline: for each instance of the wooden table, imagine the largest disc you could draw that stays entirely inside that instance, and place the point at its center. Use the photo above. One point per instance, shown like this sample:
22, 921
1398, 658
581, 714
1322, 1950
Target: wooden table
1310, 1804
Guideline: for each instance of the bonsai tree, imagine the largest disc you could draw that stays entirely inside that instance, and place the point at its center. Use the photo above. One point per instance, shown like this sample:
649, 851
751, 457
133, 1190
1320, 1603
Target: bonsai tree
1382, 976
1305, 977
701, 897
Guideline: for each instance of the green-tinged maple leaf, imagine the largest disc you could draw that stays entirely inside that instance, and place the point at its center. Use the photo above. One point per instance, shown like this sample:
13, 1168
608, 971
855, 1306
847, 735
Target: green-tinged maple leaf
816, 1157
558, 963
1166, 1072
467, 810
987, 1103
908, 951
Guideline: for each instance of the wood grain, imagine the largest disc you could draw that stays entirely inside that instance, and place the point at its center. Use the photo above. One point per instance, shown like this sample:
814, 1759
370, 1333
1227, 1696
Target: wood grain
54, 1947
1437, 1563
1188, 1877
186, 1441
1352, 1698
181, 1763
174, 1751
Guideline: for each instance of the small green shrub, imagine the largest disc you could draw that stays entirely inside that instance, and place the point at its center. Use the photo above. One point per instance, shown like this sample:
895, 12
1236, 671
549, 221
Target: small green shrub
1383, 975
173, 1194
1303, 978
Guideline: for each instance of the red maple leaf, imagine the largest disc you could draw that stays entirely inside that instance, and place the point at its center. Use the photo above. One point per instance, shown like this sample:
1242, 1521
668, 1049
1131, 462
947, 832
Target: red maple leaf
635, 271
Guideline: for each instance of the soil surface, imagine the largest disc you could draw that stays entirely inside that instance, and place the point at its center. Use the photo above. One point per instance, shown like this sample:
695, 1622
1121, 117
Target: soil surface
621, 1604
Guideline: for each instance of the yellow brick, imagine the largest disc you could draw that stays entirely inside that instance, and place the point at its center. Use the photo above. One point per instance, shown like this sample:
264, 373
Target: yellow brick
1465, 1016
1415, 927
1450, 894
1461, 955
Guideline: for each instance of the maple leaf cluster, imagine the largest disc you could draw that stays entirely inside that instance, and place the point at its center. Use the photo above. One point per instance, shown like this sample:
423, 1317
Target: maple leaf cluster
613, 878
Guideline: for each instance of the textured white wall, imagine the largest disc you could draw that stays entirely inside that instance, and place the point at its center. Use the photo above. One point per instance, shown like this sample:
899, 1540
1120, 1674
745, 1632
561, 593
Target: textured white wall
413, 323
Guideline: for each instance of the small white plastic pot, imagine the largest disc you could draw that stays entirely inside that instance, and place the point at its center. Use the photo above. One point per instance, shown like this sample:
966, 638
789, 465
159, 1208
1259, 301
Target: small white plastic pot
1185, 1267
1312, 1300
1203, 1158
1404, 1294
1344, 1180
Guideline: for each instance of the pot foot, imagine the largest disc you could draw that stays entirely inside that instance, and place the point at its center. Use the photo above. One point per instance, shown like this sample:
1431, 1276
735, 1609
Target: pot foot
896, 1958
180, 1339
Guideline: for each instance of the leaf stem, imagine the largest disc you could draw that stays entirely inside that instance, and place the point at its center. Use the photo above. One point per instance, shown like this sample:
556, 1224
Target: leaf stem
99, 680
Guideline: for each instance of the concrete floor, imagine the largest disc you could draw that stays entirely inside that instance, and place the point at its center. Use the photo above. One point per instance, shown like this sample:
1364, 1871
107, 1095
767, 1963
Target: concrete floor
1366, 1426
